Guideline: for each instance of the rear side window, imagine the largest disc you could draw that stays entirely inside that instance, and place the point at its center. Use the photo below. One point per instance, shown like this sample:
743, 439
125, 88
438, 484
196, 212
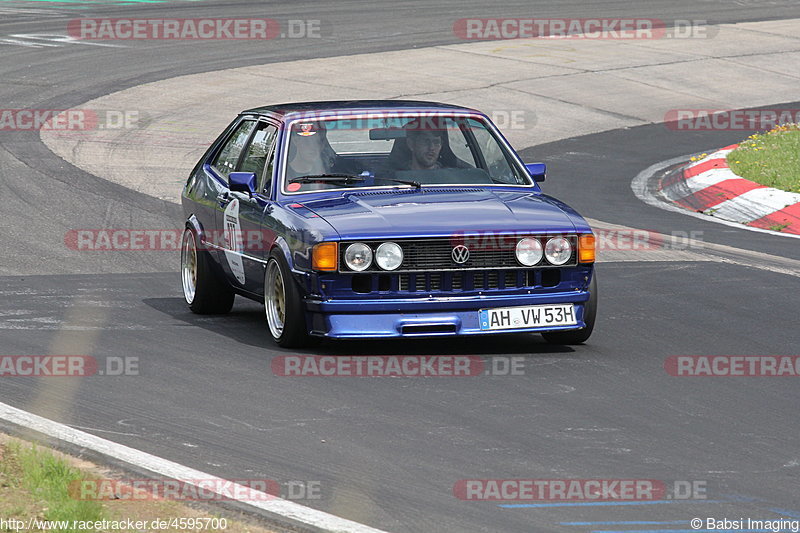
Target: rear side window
226, 159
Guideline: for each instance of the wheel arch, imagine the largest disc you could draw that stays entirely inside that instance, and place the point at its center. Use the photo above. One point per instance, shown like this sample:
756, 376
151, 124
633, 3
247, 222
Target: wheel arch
281, 245
194, 224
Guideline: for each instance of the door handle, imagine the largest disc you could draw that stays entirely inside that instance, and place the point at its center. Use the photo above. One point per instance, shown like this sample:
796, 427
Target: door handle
223, 198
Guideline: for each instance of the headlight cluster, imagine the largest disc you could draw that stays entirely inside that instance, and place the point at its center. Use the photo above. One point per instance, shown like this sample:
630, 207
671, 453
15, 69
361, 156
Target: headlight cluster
556, 250
388, 256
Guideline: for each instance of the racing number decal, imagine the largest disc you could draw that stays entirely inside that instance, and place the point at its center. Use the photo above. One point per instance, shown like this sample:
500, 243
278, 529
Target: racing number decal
230, 233
233, 240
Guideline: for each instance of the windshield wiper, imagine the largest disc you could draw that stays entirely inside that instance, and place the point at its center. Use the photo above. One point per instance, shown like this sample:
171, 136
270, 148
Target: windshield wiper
413, 183
349, 178
343, 178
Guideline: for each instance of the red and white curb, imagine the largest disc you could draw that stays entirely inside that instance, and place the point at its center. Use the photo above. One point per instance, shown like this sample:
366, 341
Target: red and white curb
710, 187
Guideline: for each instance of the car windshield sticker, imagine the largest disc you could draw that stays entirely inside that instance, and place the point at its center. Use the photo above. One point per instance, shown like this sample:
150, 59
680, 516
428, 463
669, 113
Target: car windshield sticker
307, 130
234, 245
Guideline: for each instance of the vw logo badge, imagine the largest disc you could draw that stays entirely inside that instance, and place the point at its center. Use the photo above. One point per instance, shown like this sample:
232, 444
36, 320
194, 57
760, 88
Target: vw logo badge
460, 254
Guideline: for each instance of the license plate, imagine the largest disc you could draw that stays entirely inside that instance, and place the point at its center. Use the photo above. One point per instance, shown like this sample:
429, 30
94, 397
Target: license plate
532, 316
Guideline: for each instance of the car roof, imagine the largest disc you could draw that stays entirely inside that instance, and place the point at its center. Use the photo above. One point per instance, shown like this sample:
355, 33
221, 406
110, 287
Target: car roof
286, 110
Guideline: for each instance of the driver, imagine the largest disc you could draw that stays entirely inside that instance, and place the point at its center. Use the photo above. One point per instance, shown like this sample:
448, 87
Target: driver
425, 147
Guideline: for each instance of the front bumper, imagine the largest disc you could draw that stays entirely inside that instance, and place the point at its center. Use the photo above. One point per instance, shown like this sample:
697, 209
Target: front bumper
424, 317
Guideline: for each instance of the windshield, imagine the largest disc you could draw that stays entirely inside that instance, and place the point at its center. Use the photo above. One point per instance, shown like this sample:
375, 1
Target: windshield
382, 150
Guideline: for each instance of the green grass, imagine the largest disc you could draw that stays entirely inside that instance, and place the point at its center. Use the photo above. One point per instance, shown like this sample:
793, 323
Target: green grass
48, 479
35, 484
771, 158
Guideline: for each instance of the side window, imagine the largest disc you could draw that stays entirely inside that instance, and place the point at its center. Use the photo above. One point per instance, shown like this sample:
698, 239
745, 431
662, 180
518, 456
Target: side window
255, 157
497, 163
226, 160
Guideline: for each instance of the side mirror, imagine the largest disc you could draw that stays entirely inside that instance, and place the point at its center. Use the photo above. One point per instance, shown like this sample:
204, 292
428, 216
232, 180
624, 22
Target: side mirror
242, 182
537, 171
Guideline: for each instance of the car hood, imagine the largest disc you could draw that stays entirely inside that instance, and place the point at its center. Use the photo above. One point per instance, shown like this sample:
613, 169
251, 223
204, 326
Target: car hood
443, 212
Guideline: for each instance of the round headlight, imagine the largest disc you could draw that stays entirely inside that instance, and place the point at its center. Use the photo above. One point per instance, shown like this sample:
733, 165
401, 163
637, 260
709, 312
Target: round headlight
389, 255
358, 256
558, 250
529, 251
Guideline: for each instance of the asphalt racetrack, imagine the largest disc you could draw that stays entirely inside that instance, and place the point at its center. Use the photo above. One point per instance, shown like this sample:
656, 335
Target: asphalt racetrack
389, 452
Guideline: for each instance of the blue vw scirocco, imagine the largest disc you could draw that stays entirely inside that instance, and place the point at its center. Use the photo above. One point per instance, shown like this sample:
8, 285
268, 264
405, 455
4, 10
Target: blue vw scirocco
361, 219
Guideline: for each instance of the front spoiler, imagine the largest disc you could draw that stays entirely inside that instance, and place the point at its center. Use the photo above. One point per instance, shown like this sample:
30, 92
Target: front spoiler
426, 317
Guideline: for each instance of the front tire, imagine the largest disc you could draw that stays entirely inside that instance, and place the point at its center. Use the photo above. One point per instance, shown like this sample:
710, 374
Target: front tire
205, 293
578, 336
283, 305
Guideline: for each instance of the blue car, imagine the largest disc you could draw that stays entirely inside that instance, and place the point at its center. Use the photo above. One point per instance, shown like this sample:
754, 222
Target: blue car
372, 219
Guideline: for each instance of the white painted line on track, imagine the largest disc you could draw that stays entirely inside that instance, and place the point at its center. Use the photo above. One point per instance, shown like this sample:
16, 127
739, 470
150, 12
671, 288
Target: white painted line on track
289, 512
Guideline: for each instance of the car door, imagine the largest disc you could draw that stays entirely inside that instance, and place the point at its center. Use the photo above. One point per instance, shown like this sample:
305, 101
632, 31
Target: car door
240, 213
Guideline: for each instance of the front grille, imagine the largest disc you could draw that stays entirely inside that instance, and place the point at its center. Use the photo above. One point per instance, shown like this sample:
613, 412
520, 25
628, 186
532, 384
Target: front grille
465, 281
454, 283
437, 254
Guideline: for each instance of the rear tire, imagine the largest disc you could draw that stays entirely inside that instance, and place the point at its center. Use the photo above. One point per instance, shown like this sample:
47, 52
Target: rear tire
578, 336
283, 305
205, 293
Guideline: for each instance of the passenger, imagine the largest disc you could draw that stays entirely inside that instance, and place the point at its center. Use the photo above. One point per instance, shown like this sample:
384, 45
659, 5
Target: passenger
310, 154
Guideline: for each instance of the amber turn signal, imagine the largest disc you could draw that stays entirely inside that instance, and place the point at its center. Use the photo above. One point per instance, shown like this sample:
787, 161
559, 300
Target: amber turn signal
324, 256
586, 248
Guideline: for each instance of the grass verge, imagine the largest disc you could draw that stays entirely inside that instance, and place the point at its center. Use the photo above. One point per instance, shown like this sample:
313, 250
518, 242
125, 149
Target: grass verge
771, 158
35, 486
46, 478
